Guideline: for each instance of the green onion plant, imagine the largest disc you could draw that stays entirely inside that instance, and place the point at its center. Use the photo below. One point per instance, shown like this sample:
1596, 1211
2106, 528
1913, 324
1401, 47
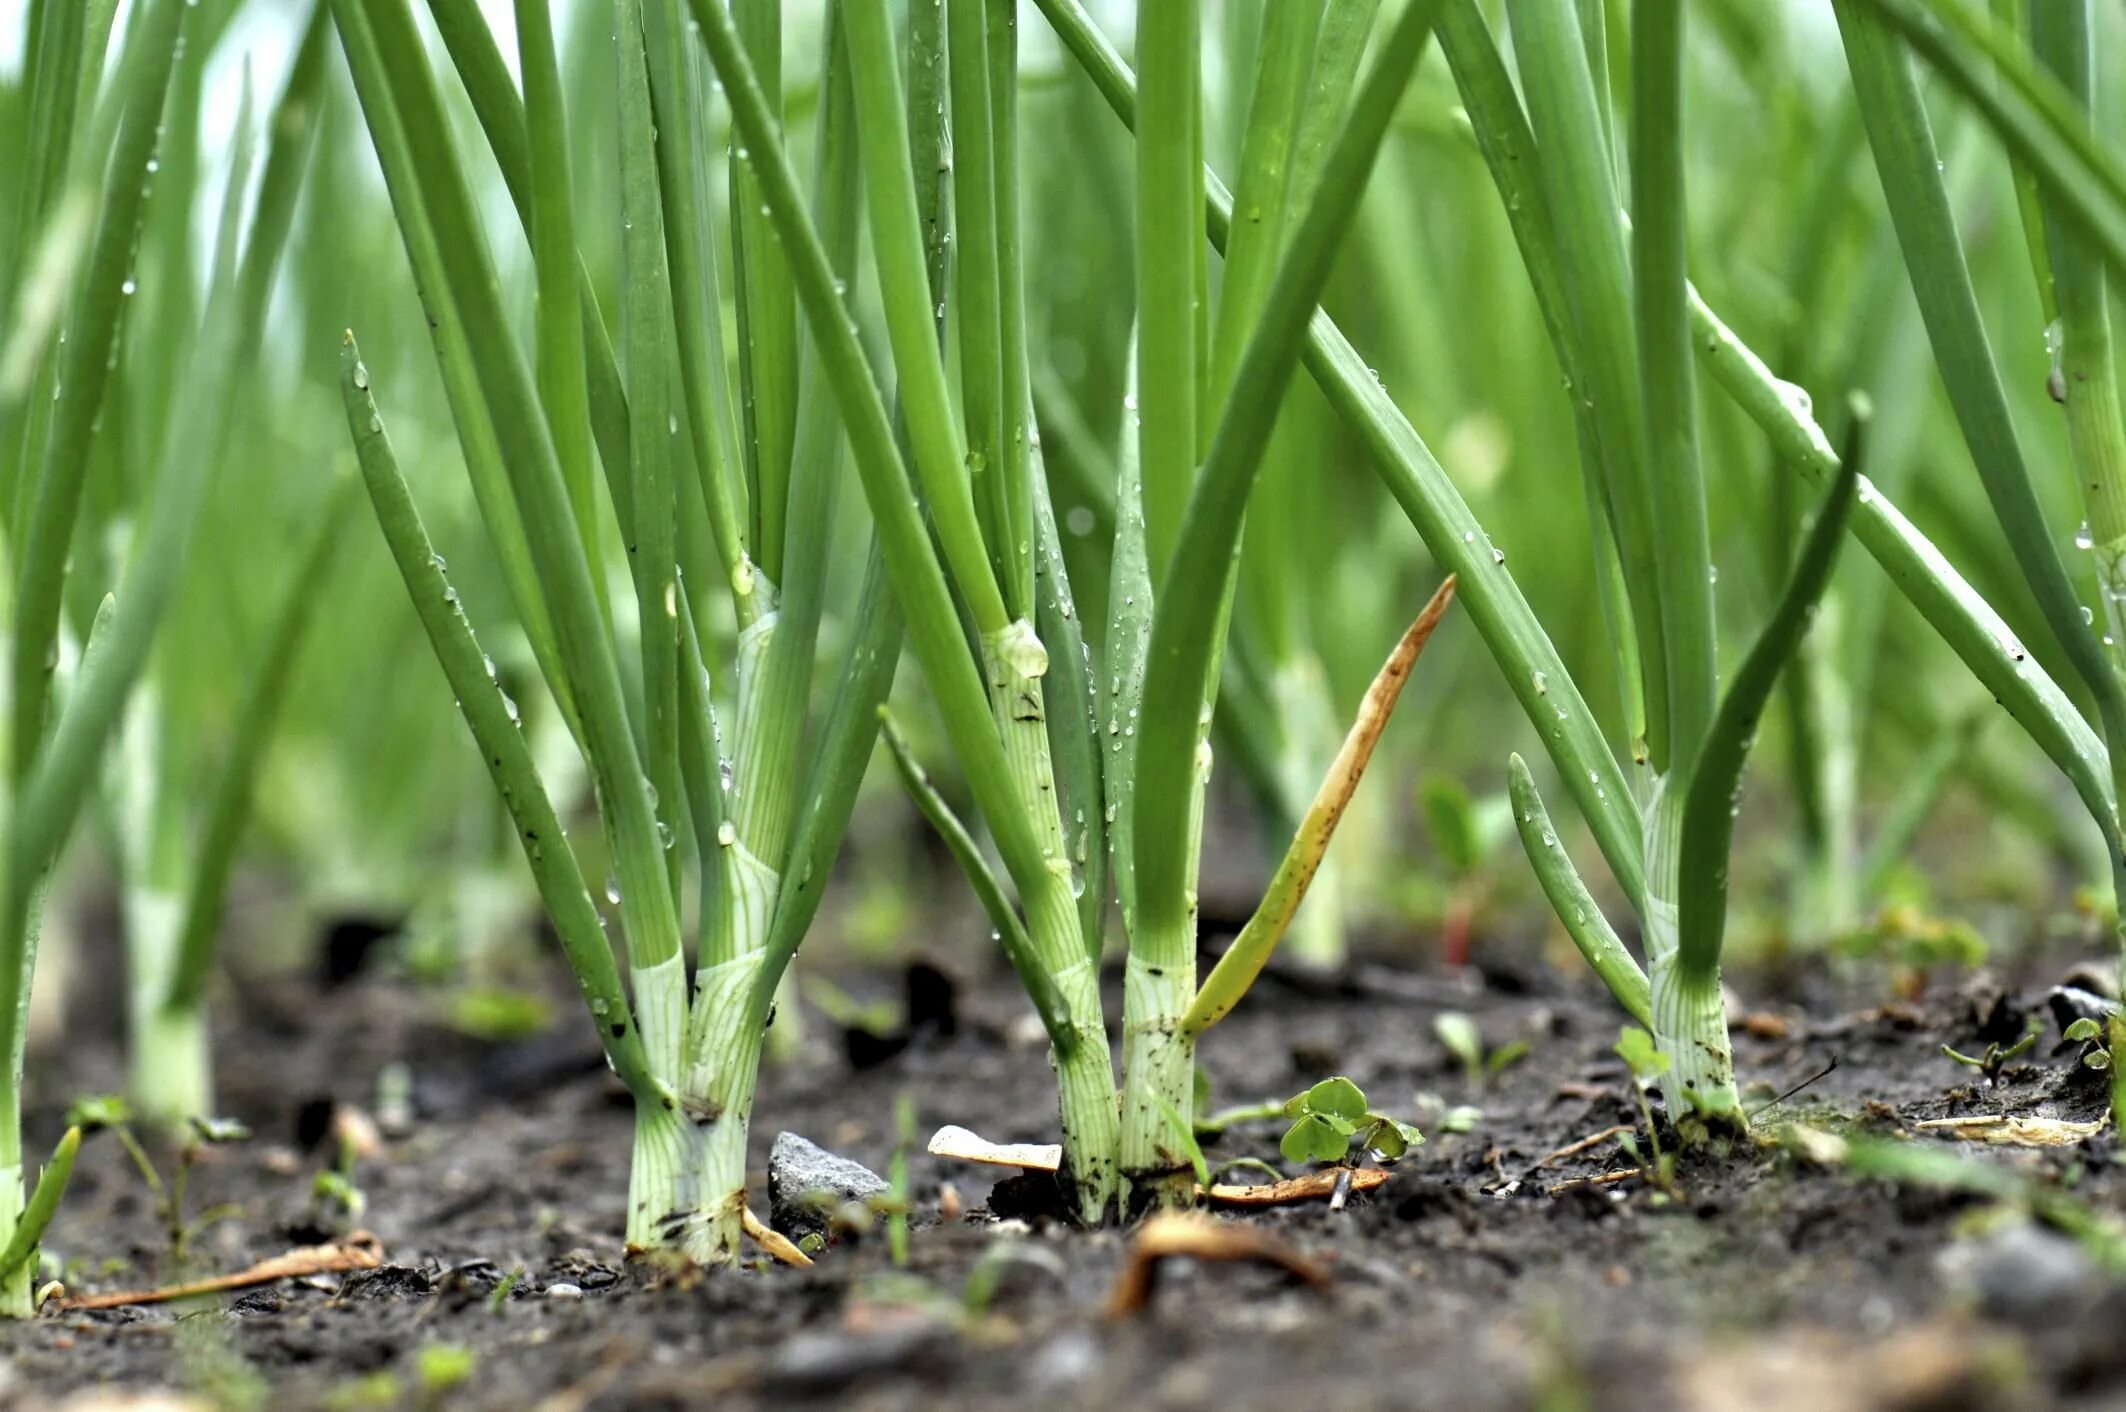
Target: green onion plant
104, 162
761, 788
172, 890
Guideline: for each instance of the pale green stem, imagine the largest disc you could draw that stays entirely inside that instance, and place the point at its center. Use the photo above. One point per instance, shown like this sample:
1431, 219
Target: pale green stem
1085, 1077
1689, 1020
663, 1187
1830, 903
660, 1014
17, 1300
1317, 937
1158, 1055
720, 1081
1013, 664
761, 807
172, 1074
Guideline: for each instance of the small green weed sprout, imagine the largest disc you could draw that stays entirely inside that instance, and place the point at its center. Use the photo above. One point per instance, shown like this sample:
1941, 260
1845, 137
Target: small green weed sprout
1997, 1056
1647, 1064
1466, 831
2100, 1041
440, 1369
115, 1113
335, 1201
1331, 1120
1461, 1038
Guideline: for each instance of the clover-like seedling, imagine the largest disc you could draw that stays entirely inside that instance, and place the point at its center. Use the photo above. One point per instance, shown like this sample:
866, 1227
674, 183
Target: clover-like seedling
1330, 1119
2087, 1031
1459, 1034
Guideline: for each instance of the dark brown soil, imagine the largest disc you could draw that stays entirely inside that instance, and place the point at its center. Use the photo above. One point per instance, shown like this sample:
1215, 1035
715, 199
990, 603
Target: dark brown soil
1481, 1277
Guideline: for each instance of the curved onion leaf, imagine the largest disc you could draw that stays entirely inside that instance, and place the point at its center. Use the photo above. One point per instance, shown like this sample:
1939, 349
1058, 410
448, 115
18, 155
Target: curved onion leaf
1708, 808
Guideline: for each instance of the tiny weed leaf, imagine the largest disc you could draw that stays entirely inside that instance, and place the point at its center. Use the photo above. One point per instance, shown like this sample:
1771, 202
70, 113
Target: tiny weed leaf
1338, 1098
1636, 1048
1315, 1139
1460, 1119
220, 1130
1184, 1136
442, 1367
1506, 1055
2083, 1029
1459, 1034
498, 1014
1450, 817
103, 1110
1388, 1139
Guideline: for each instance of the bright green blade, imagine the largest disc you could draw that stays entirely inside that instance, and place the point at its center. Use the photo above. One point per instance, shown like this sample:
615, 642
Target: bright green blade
492, 719
1707, 835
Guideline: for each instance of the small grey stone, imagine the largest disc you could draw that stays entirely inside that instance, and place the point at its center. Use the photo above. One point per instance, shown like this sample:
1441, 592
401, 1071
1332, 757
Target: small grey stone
2100, 977
2071, 1003
564, 1291
1063, 1361
815, 1364
2025, 1274
806, 1183
1020, 1270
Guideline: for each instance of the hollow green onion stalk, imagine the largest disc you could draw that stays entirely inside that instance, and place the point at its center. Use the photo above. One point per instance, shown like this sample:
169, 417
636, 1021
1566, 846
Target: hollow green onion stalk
1006, 703
760, 787
59, 745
